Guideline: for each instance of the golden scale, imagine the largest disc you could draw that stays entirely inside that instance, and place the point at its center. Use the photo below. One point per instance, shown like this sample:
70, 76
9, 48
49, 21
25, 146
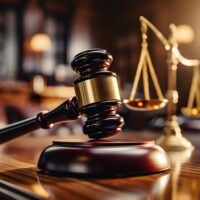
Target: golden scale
172, 139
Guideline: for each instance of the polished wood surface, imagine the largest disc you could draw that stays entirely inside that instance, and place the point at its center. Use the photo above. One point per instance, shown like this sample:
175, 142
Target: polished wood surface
18, 166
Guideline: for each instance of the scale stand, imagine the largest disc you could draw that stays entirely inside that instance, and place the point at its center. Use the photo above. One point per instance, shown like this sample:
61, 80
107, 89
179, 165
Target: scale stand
172, 138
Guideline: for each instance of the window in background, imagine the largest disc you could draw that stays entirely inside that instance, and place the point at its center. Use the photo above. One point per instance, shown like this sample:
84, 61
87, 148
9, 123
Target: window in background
8, 44
44, 40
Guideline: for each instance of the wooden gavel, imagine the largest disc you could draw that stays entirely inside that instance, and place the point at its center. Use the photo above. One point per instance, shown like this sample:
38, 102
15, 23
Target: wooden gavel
97, 97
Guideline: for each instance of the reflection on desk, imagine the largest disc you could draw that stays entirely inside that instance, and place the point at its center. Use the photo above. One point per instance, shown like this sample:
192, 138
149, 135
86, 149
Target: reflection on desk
18, 166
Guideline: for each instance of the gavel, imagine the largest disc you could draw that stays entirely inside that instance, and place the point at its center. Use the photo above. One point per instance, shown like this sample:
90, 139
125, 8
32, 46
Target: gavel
97, 97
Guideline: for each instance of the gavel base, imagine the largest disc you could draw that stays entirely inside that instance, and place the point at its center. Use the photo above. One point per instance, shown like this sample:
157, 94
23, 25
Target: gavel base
103, 158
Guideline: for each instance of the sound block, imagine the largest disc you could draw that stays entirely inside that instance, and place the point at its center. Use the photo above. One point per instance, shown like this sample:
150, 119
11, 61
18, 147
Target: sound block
103, 158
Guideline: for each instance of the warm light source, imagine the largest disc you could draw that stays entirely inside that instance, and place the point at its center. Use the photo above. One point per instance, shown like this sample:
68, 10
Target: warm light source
40, 42
184, 34
38, 84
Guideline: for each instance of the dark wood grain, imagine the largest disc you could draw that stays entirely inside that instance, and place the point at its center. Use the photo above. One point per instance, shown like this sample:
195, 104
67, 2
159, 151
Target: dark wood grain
18, 166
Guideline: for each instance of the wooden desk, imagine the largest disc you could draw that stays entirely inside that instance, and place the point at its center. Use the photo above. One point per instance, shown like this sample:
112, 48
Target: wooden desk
18, 165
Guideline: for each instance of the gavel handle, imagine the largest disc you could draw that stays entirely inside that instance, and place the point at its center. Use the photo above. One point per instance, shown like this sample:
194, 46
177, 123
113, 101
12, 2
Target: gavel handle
68, 110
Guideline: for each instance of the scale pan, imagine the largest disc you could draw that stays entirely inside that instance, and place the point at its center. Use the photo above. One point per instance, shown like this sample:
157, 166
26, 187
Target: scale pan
145, 105
191, 112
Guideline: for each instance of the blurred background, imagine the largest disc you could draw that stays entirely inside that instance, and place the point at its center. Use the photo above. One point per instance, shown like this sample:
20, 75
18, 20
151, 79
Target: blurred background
39, 38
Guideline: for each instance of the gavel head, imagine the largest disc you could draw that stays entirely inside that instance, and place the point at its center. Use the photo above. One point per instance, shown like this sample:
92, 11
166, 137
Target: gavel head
97, 92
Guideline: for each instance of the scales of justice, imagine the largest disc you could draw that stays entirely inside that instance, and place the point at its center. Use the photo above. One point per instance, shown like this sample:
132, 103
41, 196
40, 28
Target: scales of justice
97, 97
172, 139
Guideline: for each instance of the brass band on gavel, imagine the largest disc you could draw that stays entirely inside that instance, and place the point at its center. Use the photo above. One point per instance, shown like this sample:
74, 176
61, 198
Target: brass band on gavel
97, 89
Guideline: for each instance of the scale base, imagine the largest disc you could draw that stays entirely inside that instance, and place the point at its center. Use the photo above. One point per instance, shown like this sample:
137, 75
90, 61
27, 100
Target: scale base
172, 139
174, 143
103, 158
